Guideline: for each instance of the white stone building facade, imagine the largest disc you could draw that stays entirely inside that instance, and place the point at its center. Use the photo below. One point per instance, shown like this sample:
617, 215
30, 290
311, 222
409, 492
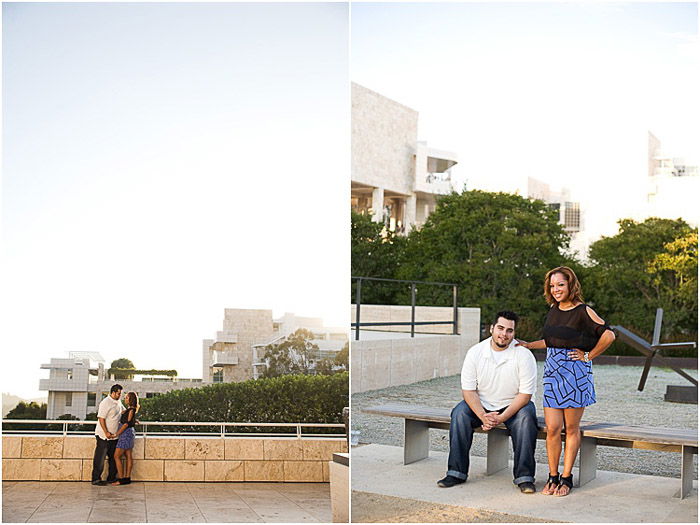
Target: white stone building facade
394, 177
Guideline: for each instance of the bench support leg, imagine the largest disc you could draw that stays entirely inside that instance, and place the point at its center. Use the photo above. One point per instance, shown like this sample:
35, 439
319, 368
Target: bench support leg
416, 441
587, 460
686, 472
496, 452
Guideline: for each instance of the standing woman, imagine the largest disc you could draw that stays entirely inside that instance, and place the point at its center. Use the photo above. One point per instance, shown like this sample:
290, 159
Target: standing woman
126, 440
574, 335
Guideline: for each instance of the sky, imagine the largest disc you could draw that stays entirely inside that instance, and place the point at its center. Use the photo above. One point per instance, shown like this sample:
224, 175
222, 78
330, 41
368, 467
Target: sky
562, 92
162, 162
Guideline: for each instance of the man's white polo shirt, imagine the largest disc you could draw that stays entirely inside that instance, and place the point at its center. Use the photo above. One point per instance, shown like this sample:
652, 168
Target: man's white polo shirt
497, 383
111, 410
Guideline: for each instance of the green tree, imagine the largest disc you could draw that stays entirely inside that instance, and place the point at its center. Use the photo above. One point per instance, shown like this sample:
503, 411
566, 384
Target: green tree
496, 246
342, 358
375, 252
294, 355
24, 410
123, 363
647, 265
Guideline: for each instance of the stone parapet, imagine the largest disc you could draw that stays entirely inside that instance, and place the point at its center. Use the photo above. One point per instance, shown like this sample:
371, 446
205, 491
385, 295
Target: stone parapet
69, 458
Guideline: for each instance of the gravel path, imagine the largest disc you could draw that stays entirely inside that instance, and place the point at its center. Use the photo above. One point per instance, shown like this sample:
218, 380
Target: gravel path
618, 401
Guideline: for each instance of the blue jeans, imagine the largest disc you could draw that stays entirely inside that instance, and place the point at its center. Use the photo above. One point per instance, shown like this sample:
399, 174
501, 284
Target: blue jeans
523, 432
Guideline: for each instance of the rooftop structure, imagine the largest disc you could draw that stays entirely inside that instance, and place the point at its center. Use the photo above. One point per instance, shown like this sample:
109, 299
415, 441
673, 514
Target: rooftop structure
394, 177
569, 210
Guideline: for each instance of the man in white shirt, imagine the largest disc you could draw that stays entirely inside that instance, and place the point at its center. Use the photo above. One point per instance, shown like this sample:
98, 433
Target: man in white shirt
499, 378
108, 421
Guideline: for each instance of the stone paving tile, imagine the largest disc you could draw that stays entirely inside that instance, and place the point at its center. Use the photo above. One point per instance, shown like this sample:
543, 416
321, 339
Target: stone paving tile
165, 502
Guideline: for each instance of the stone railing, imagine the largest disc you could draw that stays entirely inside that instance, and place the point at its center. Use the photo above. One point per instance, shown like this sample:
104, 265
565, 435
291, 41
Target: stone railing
69, 458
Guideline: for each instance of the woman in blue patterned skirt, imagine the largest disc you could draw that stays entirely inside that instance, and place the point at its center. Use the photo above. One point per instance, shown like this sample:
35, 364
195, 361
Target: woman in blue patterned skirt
573, 336
126, 440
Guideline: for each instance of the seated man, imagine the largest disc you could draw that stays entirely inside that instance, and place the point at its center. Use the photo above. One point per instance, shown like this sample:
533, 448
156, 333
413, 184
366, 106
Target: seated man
498, 379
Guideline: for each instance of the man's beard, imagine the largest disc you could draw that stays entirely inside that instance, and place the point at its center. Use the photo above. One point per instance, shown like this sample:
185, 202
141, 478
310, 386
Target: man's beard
500, 345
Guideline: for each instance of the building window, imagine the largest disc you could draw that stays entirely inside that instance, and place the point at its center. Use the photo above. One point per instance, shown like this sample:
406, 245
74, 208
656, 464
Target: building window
92, 399
572, 216
69, 399
218, 374
149, 395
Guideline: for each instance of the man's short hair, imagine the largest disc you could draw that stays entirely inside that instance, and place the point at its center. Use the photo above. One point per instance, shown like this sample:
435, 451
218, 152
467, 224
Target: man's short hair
115, 388
506, 314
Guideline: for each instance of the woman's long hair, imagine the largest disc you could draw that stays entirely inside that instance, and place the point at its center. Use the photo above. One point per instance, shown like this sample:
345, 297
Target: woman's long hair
132, 401
575, 292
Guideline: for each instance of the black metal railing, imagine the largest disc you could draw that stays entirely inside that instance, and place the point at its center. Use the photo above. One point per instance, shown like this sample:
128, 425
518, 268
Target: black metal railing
412, 323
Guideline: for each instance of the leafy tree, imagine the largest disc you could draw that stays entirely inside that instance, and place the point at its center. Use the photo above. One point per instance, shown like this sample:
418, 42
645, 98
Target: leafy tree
325, 367
342, 358
123, 362
375, 252
647, 265
496, 247
30, 410
294, 355
69, 417
24, 410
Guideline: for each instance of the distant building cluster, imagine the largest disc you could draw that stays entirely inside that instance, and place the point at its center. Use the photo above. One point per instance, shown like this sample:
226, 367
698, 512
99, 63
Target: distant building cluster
673, 185
78, 383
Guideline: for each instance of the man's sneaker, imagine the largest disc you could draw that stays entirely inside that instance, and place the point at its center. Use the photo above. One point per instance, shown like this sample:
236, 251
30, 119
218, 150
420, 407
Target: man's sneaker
527, 487
99, 482
450, 481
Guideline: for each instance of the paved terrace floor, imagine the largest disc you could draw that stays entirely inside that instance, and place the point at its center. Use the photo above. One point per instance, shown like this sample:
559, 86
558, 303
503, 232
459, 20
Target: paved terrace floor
153, 502
386, 490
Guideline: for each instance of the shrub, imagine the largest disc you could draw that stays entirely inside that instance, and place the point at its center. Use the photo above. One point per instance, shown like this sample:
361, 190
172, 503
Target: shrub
283, 399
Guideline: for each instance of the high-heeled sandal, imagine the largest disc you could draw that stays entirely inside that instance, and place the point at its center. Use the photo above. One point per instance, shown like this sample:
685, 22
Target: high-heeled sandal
565, 481
551, 485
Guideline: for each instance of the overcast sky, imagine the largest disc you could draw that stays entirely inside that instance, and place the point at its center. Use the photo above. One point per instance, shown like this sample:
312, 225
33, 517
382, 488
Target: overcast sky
563, 92
163, 162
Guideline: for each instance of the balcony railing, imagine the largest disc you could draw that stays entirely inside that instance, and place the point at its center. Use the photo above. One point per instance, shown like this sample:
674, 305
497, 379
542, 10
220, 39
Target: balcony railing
412, 323
296, 429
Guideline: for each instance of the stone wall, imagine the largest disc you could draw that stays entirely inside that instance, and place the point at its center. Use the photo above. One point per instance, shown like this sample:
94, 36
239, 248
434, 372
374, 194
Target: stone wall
401, 360
69, 458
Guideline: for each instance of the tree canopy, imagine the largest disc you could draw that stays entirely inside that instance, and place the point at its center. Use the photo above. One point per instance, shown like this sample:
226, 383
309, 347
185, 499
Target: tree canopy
495, 246
647, 265
119, 367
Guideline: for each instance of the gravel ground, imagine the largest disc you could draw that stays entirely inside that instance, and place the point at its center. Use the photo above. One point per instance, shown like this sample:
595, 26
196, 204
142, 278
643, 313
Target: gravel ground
376, 508
618, 401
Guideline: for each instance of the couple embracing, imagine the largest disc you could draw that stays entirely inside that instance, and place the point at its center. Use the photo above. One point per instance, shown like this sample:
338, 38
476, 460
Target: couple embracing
499, 378
114, 437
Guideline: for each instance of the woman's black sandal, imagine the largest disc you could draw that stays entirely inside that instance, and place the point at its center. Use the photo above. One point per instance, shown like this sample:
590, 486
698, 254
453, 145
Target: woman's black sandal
552, 483
566, 481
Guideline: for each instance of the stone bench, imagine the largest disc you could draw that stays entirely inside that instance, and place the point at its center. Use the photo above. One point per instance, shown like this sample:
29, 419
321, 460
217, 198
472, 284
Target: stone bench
419, 419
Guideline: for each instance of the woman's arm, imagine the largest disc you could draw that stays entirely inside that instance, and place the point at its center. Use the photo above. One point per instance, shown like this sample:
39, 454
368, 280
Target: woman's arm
121, 429
535, 345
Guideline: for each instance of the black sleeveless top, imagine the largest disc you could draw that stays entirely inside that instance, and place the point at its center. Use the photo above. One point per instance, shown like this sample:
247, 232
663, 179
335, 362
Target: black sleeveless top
572, 328
125, 417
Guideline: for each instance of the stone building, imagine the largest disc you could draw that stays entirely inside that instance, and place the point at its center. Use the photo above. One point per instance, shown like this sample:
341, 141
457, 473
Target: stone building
394, 177
237, 352
77, 384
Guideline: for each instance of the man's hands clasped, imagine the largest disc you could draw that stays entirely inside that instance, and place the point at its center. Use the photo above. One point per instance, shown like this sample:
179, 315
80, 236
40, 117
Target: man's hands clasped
490, 420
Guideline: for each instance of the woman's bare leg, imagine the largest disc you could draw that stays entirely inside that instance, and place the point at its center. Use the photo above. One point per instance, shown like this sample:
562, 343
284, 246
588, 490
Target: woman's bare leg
554, 421
129, 462
118, 460
572, 420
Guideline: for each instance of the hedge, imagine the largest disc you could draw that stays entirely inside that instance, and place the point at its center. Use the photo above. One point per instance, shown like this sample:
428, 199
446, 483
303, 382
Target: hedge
283, 399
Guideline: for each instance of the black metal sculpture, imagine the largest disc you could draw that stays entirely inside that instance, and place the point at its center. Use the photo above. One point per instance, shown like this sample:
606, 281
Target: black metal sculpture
652, 351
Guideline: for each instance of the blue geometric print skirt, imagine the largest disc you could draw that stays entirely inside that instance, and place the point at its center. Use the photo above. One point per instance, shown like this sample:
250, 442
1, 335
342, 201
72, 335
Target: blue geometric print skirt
567, 383
126, 439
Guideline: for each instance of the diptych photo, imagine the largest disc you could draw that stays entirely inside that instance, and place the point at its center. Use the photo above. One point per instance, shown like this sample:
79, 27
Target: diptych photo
518, 340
